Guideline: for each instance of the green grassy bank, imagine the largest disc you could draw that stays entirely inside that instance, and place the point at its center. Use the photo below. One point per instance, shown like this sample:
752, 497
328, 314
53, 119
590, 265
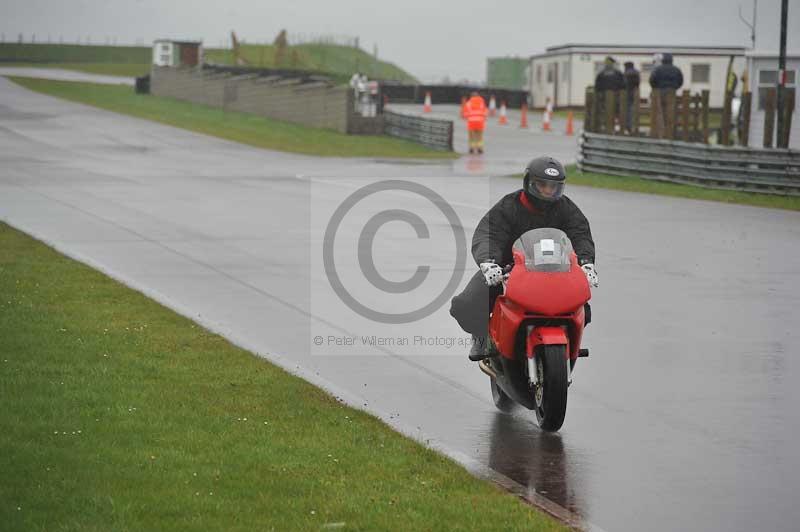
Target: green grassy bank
239, 127
118, 414
647, 186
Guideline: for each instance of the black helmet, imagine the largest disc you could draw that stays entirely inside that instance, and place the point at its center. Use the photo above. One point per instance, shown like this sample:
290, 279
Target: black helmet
544, 180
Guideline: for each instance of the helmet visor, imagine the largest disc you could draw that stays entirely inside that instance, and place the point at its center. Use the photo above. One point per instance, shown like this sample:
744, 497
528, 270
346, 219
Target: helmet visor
545, 189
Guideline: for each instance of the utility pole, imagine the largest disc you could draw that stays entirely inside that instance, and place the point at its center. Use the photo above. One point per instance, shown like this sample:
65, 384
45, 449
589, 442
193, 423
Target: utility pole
782, 140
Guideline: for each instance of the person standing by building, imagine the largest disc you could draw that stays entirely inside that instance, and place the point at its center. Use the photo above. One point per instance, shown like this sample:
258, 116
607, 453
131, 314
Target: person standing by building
476, 112
608, 79
664, 78
632, 81
666, 75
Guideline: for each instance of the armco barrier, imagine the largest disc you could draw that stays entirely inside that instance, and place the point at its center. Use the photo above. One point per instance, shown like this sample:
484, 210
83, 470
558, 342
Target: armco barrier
771, 171
436, 134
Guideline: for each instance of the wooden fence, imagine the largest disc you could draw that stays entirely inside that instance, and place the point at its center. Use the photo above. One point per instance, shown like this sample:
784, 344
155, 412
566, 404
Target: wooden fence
683, 116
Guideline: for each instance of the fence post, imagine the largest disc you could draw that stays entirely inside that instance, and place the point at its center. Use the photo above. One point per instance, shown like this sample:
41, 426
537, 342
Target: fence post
656, 122
695, 126
769, 117
669, 119
589, 112
725, 126
788, 110
744, 132
704, 113
685, 114
609, 112
635, 111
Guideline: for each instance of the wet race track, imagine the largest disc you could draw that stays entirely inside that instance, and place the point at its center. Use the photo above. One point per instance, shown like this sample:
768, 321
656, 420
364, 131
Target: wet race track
682, 418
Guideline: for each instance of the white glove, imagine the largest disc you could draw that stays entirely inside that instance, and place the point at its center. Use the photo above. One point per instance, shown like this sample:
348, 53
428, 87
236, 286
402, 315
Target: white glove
591, 274
492, 272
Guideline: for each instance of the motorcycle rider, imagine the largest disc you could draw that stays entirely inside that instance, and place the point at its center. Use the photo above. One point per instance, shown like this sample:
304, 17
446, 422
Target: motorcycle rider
540, 203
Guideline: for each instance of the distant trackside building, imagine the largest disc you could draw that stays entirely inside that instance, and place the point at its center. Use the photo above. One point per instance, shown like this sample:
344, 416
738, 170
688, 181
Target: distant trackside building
563, 72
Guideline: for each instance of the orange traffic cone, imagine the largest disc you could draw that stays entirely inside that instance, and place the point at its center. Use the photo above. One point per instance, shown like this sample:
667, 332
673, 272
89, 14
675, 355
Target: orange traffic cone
464, 107
492, 106
547, 115
426, 107
503, 120
570, 126
523, 116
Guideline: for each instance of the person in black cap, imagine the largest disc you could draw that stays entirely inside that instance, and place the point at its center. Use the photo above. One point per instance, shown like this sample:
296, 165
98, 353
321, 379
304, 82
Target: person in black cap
540, 203
608, 79
632, 81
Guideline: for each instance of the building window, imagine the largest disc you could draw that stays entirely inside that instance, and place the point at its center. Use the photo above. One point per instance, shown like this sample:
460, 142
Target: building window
165, 47
165, 59
701, 73
551, 72
565, 72
646, 68
539, 74
768, 79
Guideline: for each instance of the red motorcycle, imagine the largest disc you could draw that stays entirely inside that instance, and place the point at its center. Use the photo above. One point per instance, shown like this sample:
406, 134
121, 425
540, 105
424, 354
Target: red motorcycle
536, 327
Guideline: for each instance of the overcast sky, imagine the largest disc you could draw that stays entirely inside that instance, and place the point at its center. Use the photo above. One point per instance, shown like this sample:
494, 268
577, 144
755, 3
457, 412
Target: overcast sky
429, 39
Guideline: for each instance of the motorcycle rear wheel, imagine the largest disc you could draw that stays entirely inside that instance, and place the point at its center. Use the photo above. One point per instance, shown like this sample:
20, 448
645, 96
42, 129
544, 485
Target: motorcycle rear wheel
502, 401
550, 395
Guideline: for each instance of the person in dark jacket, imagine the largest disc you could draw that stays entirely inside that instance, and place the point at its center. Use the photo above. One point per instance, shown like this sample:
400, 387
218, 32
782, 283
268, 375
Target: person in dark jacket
666, 75
632, 81
608, 79
540, 203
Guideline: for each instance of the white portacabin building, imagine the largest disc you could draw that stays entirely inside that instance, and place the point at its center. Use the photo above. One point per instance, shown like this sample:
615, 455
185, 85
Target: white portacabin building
562, 73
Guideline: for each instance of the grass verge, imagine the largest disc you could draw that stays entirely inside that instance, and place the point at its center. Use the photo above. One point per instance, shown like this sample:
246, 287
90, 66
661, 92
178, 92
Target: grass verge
239, 127
131, 70
647, 186
119, 414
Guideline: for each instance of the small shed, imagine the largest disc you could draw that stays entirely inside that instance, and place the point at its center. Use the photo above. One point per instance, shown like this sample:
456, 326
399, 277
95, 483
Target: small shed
172, 53
763, 72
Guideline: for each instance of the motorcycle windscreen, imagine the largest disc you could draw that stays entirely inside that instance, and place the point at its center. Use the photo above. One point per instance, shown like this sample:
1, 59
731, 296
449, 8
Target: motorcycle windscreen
545, 250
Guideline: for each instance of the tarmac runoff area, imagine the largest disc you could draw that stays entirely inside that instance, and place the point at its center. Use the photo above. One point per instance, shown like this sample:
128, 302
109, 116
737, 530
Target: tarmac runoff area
684, 417
509, 146
65, 75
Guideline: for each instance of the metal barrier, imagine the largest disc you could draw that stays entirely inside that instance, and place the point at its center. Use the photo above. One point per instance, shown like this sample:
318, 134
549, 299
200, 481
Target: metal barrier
770, 171
436, 134
403, 93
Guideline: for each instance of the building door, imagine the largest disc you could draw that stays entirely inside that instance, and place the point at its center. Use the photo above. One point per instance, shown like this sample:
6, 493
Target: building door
189, 55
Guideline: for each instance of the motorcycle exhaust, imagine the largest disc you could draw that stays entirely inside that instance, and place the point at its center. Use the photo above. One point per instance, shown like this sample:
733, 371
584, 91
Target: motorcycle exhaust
487, 369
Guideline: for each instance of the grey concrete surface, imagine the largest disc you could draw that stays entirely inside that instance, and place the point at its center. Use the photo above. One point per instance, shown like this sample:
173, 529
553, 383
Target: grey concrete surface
683, 417
65, 75
508, 147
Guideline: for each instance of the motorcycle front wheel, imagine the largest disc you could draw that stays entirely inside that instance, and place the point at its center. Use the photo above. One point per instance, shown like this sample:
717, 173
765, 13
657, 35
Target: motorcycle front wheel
550, 395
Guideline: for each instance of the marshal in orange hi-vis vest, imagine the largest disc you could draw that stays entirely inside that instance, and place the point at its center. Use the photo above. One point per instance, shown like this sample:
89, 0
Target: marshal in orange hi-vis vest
476, 114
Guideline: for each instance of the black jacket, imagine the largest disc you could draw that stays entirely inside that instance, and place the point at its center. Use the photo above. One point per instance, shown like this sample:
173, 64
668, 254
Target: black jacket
666, 76
632, 79
609, 79
510, 218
